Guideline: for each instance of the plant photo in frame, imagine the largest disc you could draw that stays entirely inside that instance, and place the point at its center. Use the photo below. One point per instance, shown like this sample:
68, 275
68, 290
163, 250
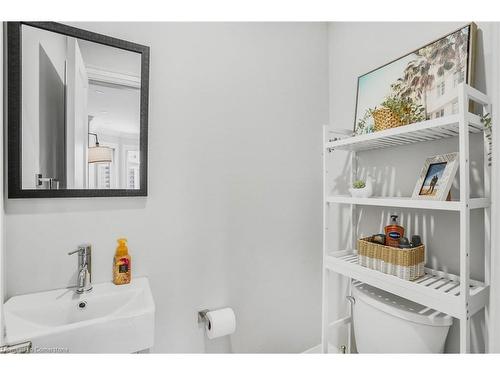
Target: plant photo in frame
418, 86
436, 177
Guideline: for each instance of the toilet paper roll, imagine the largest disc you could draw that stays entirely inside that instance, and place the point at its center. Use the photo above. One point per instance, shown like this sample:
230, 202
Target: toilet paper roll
220, 323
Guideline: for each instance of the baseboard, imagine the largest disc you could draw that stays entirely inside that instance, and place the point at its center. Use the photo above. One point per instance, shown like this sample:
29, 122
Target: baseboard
317, 349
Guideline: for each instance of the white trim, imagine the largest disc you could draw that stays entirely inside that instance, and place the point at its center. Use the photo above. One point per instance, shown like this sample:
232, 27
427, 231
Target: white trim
314, 350
317, 349
342, 321
100, 75
113, 133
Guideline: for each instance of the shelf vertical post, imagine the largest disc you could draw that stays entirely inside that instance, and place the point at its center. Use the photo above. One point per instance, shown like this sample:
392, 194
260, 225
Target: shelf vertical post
324, 307
487, 226
463, 105
353, 234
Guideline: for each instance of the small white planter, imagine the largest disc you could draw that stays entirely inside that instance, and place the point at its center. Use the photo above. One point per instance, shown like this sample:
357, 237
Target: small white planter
365, 192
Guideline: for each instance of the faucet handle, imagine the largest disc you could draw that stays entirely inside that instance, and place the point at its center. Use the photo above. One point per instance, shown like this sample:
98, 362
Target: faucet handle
82, 250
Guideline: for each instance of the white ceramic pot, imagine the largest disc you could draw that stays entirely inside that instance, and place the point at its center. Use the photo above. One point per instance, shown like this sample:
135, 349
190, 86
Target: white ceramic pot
365, 192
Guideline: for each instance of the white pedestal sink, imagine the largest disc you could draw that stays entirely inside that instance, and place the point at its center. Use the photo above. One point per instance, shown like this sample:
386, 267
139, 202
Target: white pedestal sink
109, 319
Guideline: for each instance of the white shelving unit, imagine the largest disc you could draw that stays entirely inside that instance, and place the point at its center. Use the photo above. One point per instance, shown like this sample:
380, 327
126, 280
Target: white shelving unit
456, 295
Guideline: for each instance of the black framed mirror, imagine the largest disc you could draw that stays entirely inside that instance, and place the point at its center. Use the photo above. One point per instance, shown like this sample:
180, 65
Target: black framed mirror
77, 123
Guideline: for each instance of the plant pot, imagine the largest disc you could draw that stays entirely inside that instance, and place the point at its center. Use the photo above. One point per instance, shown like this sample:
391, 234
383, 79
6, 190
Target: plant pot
384, 118
360, 193
365, 192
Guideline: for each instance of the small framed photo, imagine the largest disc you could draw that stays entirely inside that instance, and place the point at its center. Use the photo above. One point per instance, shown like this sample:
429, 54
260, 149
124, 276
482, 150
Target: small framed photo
436, 177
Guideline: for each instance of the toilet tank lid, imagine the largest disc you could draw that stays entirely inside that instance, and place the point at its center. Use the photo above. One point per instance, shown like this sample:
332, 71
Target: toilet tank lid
399, 306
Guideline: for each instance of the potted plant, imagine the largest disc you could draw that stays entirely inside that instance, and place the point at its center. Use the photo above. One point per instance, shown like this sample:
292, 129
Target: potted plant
362, 189
486, 120
394, 111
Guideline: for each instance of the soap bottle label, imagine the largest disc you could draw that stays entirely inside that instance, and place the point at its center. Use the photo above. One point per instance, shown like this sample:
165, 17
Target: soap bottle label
123, 268
122, 271
395, 235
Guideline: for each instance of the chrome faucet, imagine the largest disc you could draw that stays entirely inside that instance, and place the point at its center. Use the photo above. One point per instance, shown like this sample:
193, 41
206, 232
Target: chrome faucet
84, 268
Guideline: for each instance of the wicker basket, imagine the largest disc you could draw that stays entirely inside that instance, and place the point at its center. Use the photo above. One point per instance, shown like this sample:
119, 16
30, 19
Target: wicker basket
407, 264
384, 118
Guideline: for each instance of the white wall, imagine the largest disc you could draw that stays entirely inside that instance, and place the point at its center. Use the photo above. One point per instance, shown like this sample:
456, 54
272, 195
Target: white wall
233, 215
356, 48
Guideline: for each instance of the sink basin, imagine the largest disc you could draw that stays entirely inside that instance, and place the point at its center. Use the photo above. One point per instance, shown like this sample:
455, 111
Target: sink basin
109, 319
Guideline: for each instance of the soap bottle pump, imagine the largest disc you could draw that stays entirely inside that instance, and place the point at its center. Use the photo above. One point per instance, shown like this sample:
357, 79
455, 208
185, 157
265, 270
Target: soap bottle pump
393, 232
122, 271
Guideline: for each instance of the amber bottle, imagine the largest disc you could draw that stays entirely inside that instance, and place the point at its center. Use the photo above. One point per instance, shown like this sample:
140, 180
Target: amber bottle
122, 271
393, 232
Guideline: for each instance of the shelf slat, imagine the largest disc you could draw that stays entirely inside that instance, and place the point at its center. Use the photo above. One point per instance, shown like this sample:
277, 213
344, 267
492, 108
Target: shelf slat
436, 289
429, 130
404, 202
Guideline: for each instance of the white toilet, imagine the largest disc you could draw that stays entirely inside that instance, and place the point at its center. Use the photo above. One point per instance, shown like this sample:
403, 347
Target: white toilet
386, 323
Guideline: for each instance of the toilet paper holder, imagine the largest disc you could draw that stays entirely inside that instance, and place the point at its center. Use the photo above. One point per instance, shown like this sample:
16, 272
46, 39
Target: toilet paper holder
202, 316
217, 323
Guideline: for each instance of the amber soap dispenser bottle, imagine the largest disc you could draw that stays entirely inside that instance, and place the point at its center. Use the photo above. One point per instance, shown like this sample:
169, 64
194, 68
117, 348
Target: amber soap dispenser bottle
122, 271
393, 232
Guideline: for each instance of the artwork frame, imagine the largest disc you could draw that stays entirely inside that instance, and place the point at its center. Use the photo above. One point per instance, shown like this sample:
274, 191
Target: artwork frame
436, 169
414, 77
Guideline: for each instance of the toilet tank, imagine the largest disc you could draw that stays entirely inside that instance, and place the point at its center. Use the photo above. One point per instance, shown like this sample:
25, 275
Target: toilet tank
386, 323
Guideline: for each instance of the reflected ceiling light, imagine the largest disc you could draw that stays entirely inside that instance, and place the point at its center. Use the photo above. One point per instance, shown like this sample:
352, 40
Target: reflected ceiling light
99, 154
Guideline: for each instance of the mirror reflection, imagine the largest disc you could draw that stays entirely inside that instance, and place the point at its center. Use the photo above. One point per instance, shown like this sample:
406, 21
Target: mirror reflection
80, 113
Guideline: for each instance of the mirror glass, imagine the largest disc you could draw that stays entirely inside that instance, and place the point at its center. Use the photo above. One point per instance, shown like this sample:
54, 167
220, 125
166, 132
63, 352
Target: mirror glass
80, 113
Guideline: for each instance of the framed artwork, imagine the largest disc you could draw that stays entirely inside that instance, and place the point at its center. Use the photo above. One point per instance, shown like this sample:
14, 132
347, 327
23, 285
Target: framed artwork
419, 85
436, 177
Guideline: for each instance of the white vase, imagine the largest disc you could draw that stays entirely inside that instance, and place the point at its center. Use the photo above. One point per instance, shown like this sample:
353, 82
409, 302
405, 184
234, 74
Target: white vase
365, 192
